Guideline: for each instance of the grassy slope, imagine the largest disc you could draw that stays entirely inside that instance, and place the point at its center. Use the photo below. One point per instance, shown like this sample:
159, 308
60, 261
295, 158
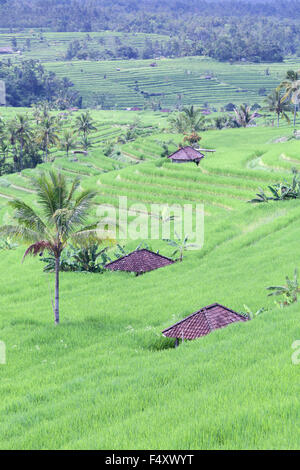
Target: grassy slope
102, 378
235, 83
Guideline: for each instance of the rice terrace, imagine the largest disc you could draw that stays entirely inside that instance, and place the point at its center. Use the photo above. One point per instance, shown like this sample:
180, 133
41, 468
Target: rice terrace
149, 225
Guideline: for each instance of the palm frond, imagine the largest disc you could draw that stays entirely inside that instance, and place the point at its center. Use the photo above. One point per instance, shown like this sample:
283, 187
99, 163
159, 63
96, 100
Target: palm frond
27, 217
74, 187
80, 210
38, 247
20, 232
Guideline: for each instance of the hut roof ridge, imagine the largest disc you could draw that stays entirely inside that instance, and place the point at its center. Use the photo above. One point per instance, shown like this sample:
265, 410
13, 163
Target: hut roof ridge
143, 264
204, 311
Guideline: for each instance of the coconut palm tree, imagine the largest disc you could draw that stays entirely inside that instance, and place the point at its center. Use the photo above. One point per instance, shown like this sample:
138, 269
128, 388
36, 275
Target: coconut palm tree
85, 143
274, 104
194, 118
63, 213
68, 141
178, 123
243, 116
47, 134
291, 86
85, 124
12, 138
22, 133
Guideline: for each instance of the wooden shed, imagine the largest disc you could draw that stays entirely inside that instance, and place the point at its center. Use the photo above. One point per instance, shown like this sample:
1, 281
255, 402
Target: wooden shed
203, 322
185, 155
139, 262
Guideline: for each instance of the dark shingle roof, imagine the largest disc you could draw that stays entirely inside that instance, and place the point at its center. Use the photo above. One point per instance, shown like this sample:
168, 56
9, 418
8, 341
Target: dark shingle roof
186, 154
139, 261
203, 322
6, 50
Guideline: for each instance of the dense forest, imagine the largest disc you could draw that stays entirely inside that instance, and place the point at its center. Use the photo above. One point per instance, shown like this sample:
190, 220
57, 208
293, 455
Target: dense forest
28, 82
225, 29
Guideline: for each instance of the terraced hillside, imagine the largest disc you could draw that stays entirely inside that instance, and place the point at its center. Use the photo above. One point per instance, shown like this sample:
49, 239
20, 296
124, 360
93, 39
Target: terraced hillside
135, 83
50, 46
194, 80
105, 377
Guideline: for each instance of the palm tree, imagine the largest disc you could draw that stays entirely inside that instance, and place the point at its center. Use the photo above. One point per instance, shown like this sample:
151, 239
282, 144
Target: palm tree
12, 138
47, 134
23, 134
274, 104
63, 214
40, 111
2, 126
194, 118
85, 124
178, 123
86, 143
68, 142
291, 85
243, 116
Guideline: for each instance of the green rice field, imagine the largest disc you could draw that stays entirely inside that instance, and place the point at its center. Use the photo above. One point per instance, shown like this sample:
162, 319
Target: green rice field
122, 84
173, 82
105, 378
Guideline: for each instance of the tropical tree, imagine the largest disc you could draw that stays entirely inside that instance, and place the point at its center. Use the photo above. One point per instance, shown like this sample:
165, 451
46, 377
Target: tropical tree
274, 104
243, 116
22, 134
47, 134
40, 111
194, 118
291, 86
68, 141
189, 120
178, 123
2, 126
85, 124
85, 143
63, 213
12, 138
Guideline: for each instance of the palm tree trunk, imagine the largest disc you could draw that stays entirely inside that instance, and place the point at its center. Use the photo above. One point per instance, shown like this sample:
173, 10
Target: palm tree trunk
295, 112
56, 306
21, 155
278, 115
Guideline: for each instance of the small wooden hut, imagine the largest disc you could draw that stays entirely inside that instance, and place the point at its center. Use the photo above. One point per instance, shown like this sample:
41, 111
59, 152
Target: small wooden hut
139, 262
185, 155
203, 322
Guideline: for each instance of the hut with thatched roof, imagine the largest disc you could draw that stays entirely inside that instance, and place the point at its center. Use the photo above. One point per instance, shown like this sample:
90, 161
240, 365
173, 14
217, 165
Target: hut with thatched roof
203, 322
139, 262
186, 155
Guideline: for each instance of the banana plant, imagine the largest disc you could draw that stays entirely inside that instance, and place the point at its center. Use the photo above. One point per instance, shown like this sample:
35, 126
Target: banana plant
261, 197
289, 291
180, 244
251, 314
281, 191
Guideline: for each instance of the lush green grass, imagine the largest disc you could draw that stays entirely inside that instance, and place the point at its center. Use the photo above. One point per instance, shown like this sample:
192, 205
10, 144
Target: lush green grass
119, 83
172, 82
50, 46
105, 378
